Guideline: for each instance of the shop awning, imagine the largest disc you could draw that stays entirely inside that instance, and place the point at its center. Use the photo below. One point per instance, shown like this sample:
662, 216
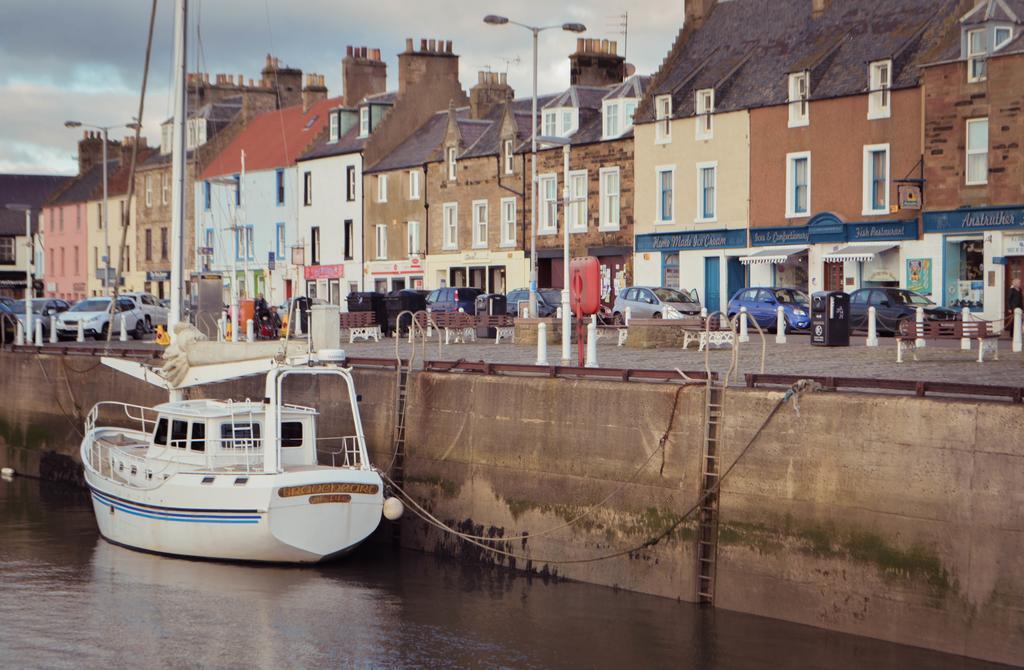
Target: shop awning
857, 252
771, 255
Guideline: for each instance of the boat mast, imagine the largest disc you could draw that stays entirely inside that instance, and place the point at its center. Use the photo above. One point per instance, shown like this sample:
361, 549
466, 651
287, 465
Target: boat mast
178, 157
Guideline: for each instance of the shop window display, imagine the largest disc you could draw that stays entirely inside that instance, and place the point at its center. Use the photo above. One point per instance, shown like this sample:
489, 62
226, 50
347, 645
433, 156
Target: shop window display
964, 273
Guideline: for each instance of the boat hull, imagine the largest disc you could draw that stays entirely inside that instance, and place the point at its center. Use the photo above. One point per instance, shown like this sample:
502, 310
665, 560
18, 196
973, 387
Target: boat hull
291, 517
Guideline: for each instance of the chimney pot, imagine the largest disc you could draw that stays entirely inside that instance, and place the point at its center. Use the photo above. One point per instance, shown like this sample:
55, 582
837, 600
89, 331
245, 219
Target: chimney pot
269, 61
376, 54
431, 45
408, 44
423, 44
348, 51
613, 48
605, 47
448, 46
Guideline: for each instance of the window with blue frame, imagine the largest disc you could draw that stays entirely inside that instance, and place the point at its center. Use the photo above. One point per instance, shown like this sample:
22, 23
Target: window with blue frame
244, 243
279, 175
280, 241
206, 195
665, 179
238, 190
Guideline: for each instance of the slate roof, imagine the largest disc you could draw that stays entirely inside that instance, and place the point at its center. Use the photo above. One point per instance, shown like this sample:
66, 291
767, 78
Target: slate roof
748, 67
87, 186
349, 143
273, 139
25, 189
386, 98
995, 10
421, 147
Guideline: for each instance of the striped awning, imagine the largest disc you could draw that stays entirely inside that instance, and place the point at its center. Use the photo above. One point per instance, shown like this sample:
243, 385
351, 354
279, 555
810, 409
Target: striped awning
857, 252
771, 255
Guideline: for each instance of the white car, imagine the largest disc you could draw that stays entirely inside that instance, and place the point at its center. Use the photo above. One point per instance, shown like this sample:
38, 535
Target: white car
94, 315
153, 311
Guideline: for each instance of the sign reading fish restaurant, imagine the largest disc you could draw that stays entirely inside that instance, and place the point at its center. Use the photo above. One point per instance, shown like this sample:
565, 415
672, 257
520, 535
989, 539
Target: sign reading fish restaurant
710, 239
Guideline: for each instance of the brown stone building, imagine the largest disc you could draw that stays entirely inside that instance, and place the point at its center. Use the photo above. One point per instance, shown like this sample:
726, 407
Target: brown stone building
974, 160
218, 111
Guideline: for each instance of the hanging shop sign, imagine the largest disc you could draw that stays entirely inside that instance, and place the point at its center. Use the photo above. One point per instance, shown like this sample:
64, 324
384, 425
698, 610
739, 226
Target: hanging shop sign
909, 196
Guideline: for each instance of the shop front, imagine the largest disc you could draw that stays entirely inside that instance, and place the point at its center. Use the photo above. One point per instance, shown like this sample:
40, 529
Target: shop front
325, 282
779, 257
615, 269
493, 272
387, 276
973, 254
705, 261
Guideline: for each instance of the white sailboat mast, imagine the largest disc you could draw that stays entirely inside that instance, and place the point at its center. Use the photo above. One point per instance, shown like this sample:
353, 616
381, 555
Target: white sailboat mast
178, 157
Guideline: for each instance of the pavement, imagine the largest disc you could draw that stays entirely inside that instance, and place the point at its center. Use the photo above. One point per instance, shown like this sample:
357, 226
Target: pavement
941, 361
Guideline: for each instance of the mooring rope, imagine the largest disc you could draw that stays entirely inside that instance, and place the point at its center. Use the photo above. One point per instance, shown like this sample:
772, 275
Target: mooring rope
797, 389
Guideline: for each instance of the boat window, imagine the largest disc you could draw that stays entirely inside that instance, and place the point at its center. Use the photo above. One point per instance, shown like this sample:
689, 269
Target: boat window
198, 437
179, 433
160, 436
291, 433
240, 435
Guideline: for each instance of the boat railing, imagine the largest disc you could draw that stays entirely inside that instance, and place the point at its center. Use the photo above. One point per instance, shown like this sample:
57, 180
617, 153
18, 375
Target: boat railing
240, 454
347, 455
141, 418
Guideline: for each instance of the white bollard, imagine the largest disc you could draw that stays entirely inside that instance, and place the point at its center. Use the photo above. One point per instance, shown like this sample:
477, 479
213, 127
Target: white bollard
965, 342
298, 322
1016, 330
124, 329
81, 333
558, 313
542, 343
872, 340
780, 325
919, 342
39, 333
744, 337
703, 312
250, 333
19, 335
591, 361
629, 314
53, 330
430, 326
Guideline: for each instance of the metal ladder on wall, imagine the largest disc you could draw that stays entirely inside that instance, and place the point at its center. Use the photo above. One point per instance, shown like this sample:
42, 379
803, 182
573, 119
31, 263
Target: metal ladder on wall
707, 532
397, 473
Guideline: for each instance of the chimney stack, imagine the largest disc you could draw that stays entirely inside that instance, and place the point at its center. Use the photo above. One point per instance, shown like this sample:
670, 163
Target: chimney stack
818, 7
314, 91
596, 63
90, 150
697, 11
491, 90
434, 61
285, 81
363, 73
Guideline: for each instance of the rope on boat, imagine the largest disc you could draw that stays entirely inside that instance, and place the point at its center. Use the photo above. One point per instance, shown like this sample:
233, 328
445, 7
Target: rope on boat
795, 391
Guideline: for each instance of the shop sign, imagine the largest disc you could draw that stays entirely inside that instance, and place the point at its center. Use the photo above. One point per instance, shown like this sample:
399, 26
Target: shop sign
324, 271
767, 237
988, 218
158, 275
909, 196
883, 230
1013, 245
919, 275
711, 239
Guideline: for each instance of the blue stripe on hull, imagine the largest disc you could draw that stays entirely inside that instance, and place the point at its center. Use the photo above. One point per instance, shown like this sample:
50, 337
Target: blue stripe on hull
151, 513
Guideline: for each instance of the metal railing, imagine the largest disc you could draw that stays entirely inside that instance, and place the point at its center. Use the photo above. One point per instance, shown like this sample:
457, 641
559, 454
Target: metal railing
135, 413
349, 455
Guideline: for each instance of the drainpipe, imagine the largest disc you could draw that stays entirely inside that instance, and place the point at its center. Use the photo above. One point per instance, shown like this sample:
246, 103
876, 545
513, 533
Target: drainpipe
362, 227
426, 224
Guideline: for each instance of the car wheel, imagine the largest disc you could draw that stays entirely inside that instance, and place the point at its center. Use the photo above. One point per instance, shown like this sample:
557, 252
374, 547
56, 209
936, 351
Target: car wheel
102, 335
149, 325
657, 315
140, 330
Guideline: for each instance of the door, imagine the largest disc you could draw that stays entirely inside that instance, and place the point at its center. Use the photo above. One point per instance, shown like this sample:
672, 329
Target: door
736, 276
712, 285
764, 307
833, 275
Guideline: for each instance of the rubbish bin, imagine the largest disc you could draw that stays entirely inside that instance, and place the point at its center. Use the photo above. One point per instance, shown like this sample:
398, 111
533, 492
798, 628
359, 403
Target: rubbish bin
299, 309
830, 319
404, 300
370, 301
492, 304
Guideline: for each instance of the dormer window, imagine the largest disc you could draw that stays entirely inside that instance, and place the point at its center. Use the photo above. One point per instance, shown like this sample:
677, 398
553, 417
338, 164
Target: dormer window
611, 120
663, 118
799, 107
560, 122
1003, 36
705, 107
508, 153
452, 156
550, 124
880, 95
976, 53
618, 117
334, 125
364, 121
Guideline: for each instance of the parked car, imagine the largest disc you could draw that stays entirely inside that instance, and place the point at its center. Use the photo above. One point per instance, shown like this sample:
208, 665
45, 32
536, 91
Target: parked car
94, 315
548, 300
655, 302
8, 323
4, 300
153, 311
763, 302
44, 310
453, 299
892, 307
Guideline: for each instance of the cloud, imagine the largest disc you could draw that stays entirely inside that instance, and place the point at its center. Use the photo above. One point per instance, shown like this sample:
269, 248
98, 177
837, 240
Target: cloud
83, 60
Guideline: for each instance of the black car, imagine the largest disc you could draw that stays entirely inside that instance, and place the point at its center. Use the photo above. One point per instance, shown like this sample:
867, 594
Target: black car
893, 306
8, 323
548, 300
453, 299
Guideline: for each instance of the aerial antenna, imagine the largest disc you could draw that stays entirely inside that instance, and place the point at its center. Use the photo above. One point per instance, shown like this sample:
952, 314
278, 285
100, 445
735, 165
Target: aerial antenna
620, 23
511, 61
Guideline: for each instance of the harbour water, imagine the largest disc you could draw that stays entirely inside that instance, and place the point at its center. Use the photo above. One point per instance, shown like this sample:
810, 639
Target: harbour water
71, 600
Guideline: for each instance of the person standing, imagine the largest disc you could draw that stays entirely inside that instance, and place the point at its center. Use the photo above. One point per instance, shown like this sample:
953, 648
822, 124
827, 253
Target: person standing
1014, 300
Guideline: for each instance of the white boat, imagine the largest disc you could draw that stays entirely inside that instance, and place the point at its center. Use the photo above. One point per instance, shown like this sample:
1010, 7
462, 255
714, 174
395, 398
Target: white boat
232, 480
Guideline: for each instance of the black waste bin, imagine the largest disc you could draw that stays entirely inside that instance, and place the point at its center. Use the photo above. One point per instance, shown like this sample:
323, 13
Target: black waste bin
370, 301
830, 319
404, 300
300, 309
492, 304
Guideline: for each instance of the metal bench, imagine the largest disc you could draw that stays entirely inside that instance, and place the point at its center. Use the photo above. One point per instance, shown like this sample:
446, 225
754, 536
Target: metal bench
504, 326
982, 331
620, 332
707, 334
361, 325
457, 326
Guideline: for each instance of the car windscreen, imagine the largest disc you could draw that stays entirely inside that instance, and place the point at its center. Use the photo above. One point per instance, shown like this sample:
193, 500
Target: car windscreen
551, 296
19, 307
671, 295
790, 297
909, 298
94, 305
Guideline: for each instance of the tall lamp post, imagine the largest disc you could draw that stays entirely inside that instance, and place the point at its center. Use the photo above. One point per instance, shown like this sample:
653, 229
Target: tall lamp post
29, 274
106, 218
494, 20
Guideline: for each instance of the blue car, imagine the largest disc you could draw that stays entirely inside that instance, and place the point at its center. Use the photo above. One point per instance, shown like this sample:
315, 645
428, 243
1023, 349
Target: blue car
762, 303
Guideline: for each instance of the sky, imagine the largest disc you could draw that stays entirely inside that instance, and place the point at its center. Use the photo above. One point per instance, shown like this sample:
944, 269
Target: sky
83, 59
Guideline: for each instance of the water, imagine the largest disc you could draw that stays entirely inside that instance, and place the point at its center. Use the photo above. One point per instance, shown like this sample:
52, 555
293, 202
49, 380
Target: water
71, 600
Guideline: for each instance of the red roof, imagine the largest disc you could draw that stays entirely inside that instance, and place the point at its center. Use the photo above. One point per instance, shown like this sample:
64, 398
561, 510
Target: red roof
272, 140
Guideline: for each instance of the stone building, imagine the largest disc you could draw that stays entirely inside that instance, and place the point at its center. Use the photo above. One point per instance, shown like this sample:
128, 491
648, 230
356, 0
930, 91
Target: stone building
17, 258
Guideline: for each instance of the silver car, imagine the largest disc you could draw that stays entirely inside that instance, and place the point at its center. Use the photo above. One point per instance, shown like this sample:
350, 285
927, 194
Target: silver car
655, 302
44, 310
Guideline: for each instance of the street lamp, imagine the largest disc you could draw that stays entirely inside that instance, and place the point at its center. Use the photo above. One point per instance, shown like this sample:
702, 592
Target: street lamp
495, 20
29, 275
106, 219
